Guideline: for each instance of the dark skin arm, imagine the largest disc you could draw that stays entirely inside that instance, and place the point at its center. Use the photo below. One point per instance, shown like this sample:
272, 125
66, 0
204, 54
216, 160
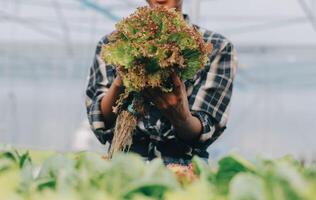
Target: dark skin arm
109, 101
175, 107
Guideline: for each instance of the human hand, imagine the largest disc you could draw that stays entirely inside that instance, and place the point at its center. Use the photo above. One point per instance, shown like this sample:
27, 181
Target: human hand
174, 105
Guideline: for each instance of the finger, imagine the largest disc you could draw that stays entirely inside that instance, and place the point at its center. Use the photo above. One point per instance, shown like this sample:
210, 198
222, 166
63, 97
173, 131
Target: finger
177, 83
156, 98
171, 99
175, 79
166, 97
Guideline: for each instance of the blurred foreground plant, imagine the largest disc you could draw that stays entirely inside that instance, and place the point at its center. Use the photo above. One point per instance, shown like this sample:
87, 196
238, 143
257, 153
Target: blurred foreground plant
85, 175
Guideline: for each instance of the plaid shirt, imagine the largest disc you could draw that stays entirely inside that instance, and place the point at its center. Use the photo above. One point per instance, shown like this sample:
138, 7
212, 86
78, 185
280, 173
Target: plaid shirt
209, 94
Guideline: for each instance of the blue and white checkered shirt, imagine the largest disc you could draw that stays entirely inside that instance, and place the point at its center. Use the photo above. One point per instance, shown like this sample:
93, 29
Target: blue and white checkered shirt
209, 94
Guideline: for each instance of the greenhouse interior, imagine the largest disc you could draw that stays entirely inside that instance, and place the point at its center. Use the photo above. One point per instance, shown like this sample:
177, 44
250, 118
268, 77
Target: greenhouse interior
267, 151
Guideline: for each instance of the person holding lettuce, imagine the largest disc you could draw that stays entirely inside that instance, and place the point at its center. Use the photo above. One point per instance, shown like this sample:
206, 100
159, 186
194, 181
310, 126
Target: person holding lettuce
181, 123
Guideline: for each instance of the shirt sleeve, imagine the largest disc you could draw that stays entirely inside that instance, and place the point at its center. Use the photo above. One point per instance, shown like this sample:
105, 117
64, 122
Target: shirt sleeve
212, 92
100, 78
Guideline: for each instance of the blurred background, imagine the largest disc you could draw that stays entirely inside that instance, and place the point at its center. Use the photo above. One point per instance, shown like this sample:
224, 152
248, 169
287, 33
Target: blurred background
47, 47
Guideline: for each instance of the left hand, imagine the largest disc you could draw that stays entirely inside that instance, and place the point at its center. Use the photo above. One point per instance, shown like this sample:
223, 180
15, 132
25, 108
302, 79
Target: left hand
174, 105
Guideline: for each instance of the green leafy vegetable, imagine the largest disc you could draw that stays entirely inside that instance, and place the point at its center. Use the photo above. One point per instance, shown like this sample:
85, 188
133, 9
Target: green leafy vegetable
149, 39
86, 175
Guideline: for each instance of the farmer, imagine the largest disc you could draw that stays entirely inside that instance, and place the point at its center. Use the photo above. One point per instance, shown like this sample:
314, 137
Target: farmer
179, 124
